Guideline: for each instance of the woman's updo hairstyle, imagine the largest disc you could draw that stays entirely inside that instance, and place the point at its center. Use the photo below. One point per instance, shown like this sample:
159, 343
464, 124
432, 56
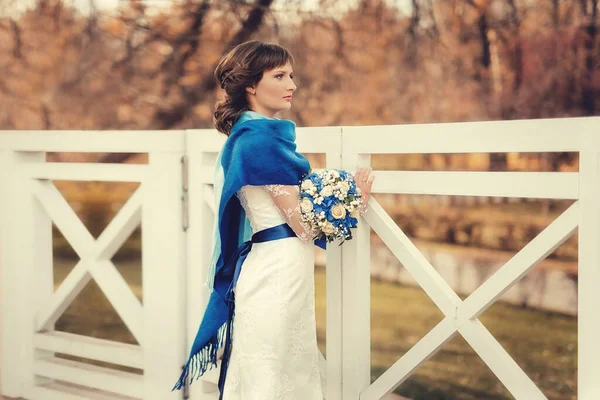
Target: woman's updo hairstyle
240, 68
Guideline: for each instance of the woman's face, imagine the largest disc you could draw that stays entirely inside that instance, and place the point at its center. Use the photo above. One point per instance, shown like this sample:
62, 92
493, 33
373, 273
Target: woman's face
273, 93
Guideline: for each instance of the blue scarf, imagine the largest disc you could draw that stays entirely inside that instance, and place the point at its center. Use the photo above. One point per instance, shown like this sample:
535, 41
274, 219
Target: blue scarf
254, 154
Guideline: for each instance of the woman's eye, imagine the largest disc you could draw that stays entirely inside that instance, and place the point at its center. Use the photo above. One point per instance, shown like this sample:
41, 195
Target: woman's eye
278, 76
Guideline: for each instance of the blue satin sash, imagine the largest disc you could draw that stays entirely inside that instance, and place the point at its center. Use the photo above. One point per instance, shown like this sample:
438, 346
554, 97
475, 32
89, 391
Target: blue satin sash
274, 233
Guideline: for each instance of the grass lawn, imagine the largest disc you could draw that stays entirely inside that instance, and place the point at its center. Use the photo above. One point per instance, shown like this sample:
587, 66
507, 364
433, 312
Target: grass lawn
543, 344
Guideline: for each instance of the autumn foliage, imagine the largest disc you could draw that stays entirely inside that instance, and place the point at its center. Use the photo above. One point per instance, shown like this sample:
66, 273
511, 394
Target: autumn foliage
453, 60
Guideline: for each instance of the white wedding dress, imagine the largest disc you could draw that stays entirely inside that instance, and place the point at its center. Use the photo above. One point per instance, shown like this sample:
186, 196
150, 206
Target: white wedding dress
274, 348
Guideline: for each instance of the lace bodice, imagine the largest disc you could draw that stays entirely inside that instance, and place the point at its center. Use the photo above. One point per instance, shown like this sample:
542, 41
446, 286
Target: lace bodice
272, 205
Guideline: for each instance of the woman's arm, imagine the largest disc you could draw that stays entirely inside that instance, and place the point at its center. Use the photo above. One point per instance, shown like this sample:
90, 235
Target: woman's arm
287, 199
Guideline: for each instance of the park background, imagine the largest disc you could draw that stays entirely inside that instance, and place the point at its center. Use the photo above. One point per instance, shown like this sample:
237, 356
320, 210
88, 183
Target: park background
146, 65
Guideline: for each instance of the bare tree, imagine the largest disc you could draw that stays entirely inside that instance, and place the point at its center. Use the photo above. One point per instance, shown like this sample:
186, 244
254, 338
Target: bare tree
165, 119
184, 46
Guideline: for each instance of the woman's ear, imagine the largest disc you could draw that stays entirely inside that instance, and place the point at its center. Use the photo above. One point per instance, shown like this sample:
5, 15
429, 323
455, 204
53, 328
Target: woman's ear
251, 90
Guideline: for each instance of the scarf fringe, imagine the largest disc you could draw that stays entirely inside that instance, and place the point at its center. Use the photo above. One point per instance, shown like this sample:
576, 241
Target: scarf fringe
199, 363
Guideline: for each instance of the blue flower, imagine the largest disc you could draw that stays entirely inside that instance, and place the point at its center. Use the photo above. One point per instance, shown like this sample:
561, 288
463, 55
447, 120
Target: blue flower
314, 178
329, 202
318, 208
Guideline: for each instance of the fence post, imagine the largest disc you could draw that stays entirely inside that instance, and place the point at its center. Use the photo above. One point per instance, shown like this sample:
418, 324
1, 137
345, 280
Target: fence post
356, 300
334, 302
25, 271
9, 384
163, 276
588, 370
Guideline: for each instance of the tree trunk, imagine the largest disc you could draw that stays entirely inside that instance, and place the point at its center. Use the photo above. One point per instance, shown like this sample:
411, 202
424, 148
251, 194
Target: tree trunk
518, 60
555, 13
588, 98
498, 162
485, 42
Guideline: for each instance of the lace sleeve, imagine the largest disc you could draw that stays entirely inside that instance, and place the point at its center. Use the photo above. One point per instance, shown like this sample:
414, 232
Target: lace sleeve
287, 199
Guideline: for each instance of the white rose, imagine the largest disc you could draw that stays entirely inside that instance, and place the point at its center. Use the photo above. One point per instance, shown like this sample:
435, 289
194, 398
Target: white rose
344, 186
326, 191
307, 184
338, 211
306, 205
328, 228
335, 174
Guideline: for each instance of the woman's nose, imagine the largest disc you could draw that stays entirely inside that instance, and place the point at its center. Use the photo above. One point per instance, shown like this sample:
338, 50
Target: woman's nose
292, 86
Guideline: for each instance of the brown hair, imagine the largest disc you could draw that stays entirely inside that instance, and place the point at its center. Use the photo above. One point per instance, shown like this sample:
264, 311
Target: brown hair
242, 67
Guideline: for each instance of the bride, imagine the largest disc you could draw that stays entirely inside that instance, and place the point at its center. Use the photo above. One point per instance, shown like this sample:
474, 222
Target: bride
262, 314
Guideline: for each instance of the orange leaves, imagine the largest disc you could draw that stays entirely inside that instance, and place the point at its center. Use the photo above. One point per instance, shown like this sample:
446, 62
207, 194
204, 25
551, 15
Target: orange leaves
115, 27
204, 112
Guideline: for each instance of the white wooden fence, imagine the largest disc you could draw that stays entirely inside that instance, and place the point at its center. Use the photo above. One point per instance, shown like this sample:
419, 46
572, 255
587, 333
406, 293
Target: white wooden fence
174, 205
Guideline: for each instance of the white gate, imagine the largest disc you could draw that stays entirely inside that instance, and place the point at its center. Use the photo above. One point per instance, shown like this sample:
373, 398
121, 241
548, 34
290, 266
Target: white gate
30, 307
175, 206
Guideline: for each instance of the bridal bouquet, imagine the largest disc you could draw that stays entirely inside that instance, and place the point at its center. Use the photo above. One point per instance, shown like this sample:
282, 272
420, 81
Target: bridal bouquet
329, 203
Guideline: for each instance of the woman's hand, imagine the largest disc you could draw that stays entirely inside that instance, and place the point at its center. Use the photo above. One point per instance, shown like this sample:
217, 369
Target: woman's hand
364, 182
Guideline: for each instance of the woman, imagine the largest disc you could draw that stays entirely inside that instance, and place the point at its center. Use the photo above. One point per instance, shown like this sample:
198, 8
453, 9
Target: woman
263, 313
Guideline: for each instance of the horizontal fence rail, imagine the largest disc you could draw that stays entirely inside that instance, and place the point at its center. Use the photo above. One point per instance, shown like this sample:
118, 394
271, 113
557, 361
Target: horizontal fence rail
93, 141
543, 185
540, 135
